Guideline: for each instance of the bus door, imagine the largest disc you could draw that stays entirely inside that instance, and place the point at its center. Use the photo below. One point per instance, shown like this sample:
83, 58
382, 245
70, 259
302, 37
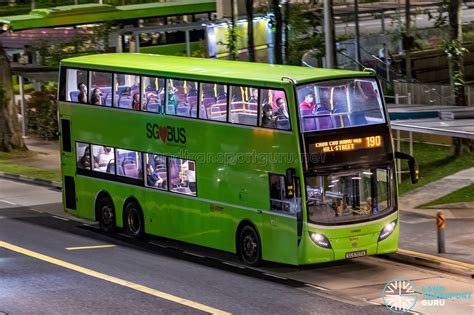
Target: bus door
68, 163
280, 223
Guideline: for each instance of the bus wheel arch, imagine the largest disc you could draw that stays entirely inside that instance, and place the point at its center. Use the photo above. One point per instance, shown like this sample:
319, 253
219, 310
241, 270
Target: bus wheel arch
248, 243
133, 219
105, 212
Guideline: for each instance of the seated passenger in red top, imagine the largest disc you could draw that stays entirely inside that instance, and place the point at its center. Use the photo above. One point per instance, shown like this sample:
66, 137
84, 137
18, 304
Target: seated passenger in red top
308, 102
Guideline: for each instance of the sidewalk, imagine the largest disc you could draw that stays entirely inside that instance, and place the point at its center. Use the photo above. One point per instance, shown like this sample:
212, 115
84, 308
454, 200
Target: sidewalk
437, 189
47, 156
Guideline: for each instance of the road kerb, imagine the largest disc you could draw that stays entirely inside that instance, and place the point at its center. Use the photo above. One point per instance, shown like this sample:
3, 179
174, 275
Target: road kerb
31, 180
435, 262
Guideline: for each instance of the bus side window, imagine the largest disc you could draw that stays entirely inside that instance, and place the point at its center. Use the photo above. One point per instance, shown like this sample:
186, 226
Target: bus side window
182, 176
274, 110
278, 202
100, 92
243, 105
76, 86
153, 94
156, 171
126, 92
213, 102
182, 98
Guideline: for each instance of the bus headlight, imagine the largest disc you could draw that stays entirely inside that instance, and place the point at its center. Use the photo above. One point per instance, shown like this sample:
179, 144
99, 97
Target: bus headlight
320, 240
387, 230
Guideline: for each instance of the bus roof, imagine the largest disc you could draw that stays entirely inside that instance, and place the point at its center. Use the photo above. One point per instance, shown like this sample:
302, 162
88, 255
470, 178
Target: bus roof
99, 13
205, 69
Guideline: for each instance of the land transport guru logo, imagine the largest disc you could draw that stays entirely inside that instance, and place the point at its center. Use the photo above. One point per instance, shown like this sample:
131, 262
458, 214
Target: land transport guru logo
399, 295
170, 134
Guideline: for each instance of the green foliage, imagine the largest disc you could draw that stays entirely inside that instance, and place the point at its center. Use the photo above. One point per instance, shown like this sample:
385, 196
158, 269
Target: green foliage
42, 112
435, 162
465, 194
439, 20
52, 52
232, 37
454, 49
303, 33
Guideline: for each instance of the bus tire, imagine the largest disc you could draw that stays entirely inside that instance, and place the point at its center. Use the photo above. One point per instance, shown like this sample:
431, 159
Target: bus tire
133, 221
249, 246
106, 213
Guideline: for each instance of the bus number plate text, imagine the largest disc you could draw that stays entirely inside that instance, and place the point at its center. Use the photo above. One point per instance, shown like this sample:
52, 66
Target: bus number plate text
359, 253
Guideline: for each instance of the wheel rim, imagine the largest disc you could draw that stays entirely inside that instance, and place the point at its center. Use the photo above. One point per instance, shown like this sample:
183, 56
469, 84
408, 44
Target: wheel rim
250, 247
107, 214
133, 220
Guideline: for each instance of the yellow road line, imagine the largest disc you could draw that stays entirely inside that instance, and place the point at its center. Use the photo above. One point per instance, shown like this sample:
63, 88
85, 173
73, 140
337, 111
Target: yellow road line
436, 258
111, 279
89, 247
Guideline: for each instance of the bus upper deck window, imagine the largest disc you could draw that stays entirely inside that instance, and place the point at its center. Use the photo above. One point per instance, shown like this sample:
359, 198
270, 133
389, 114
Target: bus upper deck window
76, 86
127, 91
153, 94
101, 88
243, 105
274, 110
182, 98
213, 102
339, 104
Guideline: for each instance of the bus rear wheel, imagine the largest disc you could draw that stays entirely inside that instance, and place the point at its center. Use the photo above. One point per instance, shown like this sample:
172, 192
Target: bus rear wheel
134, 223
250, 249
106, 213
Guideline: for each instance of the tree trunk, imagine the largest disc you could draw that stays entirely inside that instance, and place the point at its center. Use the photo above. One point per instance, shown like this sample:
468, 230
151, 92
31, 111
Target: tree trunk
250, 39
457, 66
10, 134
455, 33
278, 31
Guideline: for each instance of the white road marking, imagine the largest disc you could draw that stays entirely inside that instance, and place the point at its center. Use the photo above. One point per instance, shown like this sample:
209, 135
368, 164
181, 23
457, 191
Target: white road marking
9, 202
316, 287
193, 254
275, 276
233, 265
417, 221
156, 244
60, 218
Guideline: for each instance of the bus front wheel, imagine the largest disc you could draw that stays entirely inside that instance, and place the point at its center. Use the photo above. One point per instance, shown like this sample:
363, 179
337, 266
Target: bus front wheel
250, 249
106, 213
133, 221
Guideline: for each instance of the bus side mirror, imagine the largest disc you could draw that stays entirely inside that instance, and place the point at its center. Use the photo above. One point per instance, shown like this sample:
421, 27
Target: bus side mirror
289, 182
412, 165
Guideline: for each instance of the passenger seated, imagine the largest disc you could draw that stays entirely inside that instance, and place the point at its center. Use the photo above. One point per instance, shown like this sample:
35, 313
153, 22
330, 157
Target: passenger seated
308, 102
96, 98
85, 160
104, 158
136, 102
82, 97
268, 120
281, 112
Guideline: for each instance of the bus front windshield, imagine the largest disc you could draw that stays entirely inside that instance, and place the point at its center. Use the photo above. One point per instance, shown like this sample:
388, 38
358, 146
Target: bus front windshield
339, 103
351, 196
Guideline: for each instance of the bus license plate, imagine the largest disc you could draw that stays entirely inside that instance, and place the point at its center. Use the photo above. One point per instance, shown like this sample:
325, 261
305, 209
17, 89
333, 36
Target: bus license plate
356, 254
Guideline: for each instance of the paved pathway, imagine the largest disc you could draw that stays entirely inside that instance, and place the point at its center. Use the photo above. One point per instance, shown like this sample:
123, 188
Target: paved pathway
437, 189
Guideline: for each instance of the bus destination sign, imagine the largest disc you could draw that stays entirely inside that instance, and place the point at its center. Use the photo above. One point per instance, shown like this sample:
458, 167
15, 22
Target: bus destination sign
343, 145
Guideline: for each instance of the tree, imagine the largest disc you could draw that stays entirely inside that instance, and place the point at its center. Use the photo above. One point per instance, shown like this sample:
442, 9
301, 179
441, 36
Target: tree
10, 134
250, 38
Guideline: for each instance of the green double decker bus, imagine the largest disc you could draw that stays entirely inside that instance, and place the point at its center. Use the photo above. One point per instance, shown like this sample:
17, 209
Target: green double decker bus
277, 163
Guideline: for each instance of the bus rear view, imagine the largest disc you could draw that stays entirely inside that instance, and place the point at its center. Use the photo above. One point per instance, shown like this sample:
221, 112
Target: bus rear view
349, 172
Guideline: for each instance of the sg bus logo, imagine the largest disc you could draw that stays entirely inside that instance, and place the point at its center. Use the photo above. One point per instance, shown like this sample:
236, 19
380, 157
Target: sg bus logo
166, 133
